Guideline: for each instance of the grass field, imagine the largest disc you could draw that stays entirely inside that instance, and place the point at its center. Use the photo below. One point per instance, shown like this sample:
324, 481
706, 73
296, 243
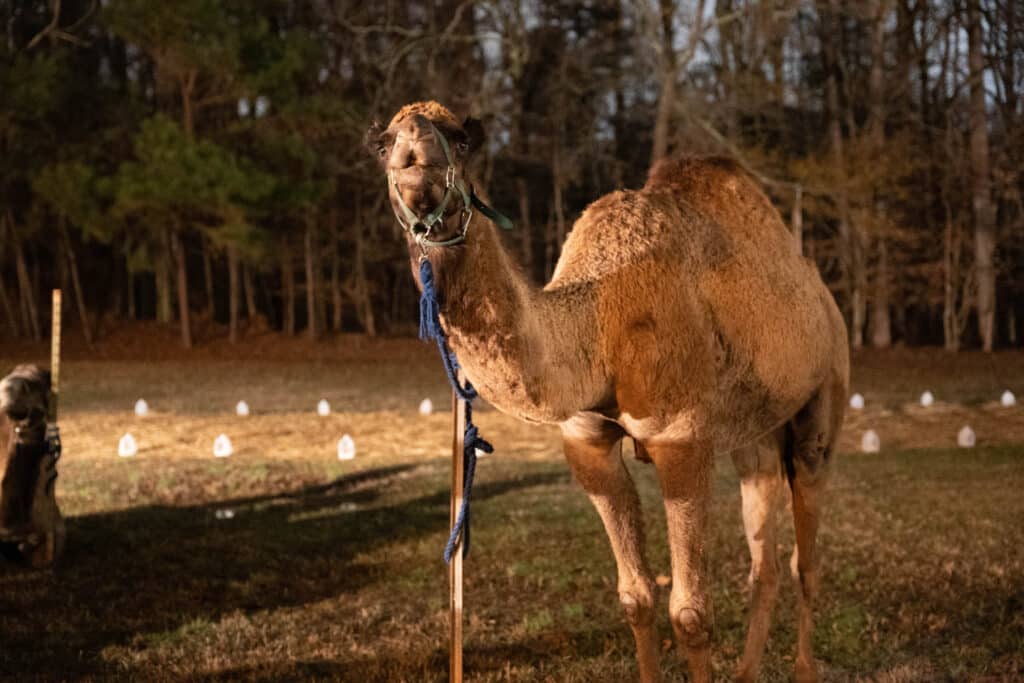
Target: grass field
282, 563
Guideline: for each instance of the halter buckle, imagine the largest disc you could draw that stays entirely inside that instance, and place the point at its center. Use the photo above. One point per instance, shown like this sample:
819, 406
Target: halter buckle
449, 177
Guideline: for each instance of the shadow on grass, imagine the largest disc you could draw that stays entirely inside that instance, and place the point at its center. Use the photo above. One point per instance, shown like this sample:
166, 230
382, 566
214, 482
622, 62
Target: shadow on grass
152, 569
425, 666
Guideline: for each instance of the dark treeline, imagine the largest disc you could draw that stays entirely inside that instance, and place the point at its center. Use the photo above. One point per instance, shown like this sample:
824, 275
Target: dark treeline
198, 160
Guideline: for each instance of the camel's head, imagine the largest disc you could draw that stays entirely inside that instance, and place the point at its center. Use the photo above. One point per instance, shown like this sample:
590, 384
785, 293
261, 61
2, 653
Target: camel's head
24, 401
424, 152
30, 524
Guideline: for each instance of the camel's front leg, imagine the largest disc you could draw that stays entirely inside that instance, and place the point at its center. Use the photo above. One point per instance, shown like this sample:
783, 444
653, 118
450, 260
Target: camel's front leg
594, 453
685, 475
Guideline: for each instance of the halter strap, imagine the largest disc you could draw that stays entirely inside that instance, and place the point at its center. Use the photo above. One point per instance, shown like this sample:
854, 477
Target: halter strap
408, 218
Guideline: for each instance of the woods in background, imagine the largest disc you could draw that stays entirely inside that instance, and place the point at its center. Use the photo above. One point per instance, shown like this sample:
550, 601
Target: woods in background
202, 161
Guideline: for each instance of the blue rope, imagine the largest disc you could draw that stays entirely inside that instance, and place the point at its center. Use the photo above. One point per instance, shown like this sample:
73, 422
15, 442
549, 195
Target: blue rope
430, 328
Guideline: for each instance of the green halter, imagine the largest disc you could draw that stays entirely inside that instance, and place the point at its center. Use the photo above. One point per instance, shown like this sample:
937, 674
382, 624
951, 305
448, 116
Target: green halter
408, 219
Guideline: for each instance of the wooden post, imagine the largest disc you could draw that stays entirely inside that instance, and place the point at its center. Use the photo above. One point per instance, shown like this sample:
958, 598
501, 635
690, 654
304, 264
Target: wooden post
455, 567
50, 545
54, 358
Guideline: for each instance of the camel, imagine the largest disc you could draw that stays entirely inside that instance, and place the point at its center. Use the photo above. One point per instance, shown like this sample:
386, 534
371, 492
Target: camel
31, 526
680, 315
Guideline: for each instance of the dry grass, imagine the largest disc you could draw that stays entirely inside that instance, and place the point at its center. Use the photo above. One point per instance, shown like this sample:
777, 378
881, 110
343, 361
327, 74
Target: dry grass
332, 570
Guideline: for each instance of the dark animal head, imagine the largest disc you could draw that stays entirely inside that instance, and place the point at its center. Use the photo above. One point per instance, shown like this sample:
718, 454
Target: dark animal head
29, 518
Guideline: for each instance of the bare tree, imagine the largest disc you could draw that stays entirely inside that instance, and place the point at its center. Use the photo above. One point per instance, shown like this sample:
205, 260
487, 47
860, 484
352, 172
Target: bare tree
851, 242
981, 183
881, 332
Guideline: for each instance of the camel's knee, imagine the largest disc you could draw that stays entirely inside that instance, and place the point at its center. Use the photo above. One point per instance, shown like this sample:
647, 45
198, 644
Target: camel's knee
693, 629
764, 578
638, 604
808, 584
805, 573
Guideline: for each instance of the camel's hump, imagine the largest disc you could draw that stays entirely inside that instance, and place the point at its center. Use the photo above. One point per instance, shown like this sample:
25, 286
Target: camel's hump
698, 210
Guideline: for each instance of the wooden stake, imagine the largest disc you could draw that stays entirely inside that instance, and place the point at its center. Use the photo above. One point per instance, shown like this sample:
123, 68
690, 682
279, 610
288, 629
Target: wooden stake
455, 567
54, 357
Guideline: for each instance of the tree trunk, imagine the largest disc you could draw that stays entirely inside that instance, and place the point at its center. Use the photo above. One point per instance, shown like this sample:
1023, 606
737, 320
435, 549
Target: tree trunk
881, 328
115, 295
309, 244
288, 284
336, 298
234, 296
162, 274
130, 278
950, 324
185, 319
559, 206
549, 247
851, 258
797, 218
211, 304
668, 69
188, 87
250, 294
76, 283
5, 300
1011, 325
981, 185
362, 289
952, 315
526, 246
29, 311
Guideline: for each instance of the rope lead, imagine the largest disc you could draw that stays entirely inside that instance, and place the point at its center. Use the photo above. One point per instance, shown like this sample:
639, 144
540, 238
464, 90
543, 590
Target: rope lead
430, 328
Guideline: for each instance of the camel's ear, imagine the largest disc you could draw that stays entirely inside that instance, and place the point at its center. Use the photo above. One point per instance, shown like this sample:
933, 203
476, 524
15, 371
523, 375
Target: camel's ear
374, 141
474, 131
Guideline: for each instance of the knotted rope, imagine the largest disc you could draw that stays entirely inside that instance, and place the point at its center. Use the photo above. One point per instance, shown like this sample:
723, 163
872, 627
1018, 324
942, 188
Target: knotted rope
430, 328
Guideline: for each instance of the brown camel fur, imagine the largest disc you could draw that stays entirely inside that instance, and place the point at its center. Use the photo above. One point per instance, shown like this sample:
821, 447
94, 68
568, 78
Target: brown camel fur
680, 315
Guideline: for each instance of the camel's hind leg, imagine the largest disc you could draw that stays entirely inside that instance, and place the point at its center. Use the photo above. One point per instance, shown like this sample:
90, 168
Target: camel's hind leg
813, 433
760, 470
594, 452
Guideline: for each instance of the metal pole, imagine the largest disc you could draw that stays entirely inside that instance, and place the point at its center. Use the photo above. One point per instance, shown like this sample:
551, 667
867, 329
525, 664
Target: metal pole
455, 567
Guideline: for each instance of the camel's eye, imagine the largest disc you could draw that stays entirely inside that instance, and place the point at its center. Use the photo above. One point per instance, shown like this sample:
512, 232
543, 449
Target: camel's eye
382, 151
462, 148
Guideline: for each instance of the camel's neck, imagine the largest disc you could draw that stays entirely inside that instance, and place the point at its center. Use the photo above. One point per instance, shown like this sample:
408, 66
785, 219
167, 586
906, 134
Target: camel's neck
529, 352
